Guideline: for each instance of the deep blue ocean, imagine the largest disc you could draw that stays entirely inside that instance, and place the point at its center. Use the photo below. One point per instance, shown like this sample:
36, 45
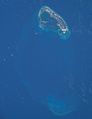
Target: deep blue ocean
42, 75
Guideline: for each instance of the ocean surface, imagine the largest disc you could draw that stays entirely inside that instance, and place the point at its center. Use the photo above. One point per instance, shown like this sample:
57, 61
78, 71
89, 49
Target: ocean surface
42, 75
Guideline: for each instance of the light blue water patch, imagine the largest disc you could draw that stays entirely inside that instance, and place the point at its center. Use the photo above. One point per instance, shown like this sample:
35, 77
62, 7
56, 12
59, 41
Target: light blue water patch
64, 106
64, 35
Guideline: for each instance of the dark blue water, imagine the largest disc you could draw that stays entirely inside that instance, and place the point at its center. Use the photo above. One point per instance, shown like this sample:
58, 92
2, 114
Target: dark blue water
41, 75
